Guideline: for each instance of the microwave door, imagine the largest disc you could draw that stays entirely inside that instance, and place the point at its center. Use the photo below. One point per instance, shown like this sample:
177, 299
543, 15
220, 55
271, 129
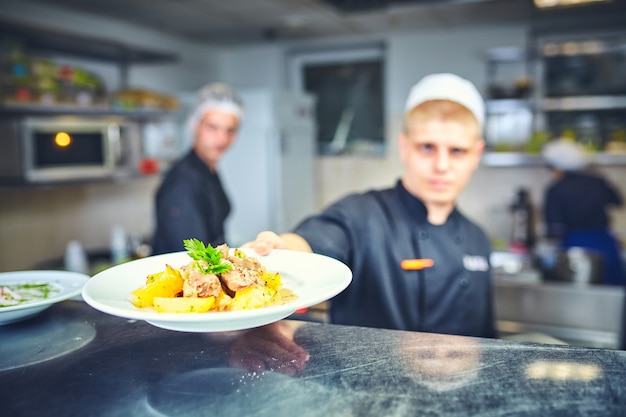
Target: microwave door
55, 154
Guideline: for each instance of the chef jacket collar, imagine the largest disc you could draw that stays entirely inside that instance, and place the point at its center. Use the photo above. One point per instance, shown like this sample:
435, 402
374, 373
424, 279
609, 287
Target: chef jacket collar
415, 206
198, 163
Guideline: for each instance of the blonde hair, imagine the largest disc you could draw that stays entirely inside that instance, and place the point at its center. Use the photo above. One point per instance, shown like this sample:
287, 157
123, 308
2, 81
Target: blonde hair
444, 110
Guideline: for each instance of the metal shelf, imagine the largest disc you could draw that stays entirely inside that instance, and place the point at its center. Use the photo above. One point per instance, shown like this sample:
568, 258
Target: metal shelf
20, 109
506, 105
511, 159
575, 103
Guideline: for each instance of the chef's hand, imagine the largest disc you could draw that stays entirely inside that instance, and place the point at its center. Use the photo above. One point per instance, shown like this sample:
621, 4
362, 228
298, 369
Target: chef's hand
266, 241
271, 348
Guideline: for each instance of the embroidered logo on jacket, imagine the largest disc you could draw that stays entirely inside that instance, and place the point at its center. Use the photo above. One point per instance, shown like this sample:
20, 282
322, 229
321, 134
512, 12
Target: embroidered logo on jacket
475, 263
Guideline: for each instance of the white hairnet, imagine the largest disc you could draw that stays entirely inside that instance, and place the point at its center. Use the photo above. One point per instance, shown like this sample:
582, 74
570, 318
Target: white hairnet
215, 96
565, 155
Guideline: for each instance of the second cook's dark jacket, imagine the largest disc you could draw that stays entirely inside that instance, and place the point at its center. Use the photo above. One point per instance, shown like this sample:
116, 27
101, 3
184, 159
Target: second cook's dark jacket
373, 232
576, 212
190, 203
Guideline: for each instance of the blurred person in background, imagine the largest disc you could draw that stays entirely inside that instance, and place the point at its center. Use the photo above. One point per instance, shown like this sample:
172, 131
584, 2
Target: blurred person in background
576, 207
191, 201
374, 233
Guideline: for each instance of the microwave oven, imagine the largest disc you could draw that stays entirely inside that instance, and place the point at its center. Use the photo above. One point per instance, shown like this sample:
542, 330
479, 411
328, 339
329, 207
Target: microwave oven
51, 149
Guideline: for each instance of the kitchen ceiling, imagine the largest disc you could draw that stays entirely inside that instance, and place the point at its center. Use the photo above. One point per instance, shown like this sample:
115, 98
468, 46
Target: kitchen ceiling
234, 22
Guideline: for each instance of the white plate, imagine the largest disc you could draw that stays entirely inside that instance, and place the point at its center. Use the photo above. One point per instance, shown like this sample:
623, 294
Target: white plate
69, 284
314, 279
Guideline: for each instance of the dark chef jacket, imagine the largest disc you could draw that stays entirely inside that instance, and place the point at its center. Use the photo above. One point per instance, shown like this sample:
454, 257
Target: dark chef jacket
578, 202
190, 203
373, 232
575, 212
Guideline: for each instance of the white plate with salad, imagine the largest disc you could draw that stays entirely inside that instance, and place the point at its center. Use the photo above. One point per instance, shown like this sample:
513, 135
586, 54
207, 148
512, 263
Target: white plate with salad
312, 278
24, 294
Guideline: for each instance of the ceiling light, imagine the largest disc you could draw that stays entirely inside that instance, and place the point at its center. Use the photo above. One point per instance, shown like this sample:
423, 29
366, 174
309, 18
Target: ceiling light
542, 4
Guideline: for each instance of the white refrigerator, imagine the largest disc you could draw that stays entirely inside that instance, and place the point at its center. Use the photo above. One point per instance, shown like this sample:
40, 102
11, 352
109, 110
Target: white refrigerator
269, 171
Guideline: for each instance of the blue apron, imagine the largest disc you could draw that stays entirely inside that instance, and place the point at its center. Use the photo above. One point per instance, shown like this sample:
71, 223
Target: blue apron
603, 242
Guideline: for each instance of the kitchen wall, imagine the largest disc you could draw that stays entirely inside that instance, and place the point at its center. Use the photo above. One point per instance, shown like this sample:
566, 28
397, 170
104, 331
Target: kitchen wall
38, 223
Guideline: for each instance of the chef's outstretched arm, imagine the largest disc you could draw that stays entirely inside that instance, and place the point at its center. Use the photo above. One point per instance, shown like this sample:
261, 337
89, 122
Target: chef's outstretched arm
266, 241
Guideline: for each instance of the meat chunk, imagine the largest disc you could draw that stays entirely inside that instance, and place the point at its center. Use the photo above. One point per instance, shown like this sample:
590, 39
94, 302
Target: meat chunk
199, 284
237, 279
224, 249
243, 263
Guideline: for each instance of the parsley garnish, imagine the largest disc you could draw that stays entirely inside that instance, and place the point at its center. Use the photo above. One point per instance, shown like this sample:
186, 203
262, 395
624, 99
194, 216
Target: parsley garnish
208, 254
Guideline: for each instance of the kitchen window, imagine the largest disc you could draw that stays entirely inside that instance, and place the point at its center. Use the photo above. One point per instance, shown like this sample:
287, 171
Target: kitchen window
348, 87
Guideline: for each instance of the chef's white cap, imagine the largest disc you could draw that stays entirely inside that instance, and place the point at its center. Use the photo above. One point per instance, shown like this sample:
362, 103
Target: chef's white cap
447, 87
565, 155
215, 96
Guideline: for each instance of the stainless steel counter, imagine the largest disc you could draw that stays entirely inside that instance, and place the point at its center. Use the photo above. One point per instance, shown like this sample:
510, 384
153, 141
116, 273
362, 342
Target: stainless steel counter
580, 314
72, 360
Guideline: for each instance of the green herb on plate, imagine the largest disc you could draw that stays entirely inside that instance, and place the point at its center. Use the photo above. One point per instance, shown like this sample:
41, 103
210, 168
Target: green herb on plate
213, 257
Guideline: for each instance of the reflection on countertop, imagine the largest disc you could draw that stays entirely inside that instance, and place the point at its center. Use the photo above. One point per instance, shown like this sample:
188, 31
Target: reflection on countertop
301, 368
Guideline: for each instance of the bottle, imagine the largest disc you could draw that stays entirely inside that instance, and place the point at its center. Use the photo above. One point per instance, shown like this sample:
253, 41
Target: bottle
523, 228
119, 245
75, 258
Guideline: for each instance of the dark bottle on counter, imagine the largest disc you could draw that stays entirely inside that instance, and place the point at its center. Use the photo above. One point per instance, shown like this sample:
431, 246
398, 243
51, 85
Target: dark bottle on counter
523, 235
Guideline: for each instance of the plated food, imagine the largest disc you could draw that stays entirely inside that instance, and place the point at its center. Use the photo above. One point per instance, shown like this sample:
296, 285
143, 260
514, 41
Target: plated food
312, 279
23, 294
215, 279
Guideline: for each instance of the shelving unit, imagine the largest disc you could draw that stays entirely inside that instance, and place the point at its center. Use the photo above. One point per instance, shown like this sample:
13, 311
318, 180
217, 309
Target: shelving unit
512, 114
42, 42
45, 41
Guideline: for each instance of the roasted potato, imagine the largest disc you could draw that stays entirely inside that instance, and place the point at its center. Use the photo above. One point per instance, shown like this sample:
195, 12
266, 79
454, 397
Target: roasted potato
223, 301
167, 284
183, 304
272, 280
250, 297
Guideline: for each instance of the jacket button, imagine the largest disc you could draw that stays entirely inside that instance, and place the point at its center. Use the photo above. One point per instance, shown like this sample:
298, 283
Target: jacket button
458, 239
423, 234
464, 282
